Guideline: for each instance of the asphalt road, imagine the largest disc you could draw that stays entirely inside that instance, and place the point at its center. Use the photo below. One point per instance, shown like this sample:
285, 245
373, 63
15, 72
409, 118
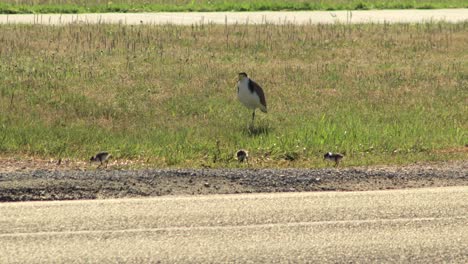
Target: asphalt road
299, 17
415, 225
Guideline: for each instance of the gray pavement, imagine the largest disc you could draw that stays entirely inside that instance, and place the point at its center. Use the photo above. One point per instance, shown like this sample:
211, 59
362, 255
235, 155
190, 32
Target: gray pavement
300, 17
417, 225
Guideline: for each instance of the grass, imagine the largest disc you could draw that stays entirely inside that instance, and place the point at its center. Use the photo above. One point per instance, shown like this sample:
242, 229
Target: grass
80, 6
382, 94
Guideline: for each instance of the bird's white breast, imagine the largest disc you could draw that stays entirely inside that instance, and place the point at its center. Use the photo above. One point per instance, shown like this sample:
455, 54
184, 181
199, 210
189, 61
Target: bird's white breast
245, 96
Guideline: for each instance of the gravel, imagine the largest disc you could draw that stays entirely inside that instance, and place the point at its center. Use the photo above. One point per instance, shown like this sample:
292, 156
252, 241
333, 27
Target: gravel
44, 184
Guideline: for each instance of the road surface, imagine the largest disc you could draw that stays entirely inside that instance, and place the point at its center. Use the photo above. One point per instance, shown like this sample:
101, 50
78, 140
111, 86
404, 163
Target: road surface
299, 17
415, 225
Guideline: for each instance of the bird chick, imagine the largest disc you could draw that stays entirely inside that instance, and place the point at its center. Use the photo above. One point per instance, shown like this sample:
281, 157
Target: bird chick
242, 155
336, 157
101, 157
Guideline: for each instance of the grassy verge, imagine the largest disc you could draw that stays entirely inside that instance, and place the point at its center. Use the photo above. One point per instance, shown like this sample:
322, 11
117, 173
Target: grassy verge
166, 94
79, 6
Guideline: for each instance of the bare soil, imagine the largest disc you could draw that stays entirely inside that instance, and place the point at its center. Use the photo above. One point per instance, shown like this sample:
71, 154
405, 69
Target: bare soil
31, 180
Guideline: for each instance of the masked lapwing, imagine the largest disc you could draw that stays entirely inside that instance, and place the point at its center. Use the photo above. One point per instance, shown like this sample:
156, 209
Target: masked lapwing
242, 155
336, 157
250, 94
101, 157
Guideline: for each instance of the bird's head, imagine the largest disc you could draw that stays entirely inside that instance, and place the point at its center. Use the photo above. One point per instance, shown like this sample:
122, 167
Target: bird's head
327, 155
242, 75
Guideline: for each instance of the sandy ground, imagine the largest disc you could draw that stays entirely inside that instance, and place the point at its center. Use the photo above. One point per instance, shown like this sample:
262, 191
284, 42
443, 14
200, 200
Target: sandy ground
417, 225
300, 17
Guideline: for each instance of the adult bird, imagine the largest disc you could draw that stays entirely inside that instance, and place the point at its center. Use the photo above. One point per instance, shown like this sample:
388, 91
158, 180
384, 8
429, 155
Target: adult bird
250, 94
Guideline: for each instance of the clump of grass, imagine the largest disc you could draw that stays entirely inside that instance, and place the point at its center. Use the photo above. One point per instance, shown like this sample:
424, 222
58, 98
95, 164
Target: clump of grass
379, 93
100, 6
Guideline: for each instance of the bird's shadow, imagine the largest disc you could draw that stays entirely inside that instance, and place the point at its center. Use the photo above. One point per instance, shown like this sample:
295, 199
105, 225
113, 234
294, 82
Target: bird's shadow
258, 130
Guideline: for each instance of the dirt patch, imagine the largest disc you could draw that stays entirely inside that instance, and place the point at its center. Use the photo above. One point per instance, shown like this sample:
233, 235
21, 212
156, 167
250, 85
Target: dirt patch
70, 183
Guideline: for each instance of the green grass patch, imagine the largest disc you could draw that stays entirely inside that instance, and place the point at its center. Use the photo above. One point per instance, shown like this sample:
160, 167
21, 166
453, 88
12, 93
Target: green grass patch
80, 6
166, 94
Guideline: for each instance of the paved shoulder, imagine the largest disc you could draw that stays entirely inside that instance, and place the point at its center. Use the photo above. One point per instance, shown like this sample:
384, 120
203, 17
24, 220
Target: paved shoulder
299, 17
375, 226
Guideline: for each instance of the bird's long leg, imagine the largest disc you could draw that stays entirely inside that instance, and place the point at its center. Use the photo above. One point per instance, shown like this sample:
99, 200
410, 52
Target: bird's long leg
253, 118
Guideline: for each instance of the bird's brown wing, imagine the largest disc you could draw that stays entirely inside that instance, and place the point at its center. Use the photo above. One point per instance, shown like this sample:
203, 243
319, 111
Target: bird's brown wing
254, 87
